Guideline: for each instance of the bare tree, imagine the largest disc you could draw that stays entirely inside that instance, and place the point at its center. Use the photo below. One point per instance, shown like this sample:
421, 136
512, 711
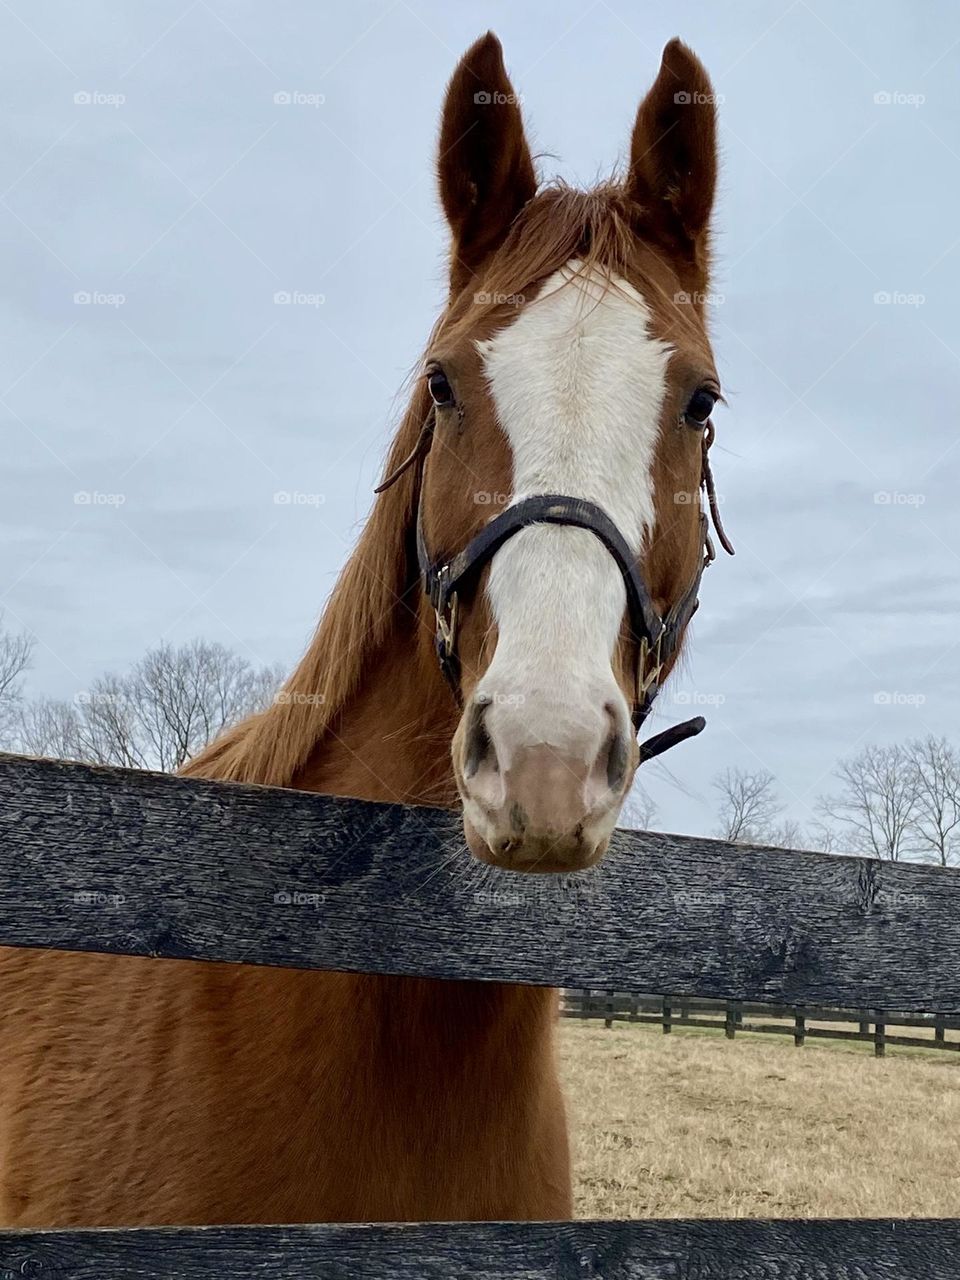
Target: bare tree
785, 833
48, 727
176, 700
749, 806
875, 809
16, 650
822, 837
163, 711
936, 818
639, 811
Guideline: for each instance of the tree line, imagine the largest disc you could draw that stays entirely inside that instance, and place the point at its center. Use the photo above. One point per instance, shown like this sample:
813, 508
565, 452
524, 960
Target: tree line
894, 802
156, 715
899, 802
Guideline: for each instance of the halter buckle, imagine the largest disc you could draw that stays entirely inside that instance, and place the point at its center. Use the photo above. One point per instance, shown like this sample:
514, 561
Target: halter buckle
446, 607
436, 581
447, 626
649, 678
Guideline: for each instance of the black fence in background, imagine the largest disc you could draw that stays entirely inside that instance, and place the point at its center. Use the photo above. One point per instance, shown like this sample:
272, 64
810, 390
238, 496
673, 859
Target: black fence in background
731, 1016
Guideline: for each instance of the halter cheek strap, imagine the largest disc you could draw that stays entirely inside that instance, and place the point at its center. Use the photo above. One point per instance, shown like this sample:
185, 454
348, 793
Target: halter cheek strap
657, 639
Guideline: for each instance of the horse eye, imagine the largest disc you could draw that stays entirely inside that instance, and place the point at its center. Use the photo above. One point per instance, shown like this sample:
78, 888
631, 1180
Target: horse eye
440, 389
700, 407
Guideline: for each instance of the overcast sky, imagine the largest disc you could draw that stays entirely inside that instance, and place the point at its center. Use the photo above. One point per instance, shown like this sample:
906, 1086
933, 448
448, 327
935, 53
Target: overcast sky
147, 165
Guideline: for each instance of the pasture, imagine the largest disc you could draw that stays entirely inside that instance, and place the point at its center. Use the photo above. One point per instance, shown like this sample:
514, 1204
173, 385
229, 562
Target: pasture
691, 1125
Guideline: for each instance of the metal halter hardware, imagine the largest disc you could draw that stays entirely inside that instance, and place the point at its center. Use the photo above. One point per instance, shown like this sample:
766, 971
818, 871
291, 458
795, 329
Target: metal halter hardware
657, 638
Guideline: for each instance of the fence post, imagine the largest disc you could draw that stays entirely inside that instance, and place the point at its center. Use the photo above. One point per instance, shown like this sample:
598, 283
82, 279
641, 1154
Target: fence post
608, 1020
730, 1024
939, 1032
879, 1039
667, 1016
799, 1029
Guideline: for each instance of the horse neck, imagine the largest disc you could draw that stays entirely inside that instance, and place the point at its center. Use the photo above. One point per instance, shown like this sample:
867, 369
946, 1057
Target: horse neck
391, 739
391, 742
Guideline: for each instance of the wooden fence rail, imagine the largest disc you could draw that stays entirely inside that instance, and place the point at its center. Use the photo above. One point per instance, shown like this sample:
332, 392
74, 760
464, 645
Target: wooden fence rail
111, 860
728, 1016
114, 860
664, 1250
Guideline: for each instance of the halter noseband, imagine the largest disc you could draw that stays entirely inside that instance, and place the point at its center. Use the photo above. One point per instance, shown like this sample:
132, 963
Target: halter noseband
657, 638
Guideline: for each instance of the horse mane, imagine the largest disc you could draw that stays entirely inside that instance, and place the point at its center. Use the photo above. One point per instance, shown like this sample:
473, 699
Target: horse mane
596, 228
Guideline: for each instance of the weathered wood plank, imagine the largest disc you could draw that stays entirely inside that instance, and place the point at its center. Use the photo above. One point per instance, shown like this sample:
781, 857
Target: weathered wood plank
119, 861
669, 1250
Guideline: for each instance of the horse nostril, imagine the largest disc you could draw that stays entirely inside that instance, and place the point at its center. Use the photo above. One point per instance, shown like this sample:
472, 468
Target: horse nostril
616, 762
478, 749
617, 755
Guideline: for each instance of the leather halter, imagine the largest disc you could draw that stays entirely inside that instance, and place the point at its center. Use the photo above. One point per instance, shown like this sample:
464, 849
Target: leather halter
657, 638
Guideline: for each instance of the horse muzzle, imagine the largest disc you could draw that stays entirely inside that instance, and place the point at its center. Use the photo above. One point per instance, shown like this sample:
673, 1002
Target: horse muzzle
532, 806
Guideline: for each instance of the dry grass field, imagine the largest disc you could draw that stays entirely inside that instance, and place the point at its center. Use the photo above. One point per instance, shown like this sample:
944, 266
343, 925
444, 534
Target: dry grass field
693, 1125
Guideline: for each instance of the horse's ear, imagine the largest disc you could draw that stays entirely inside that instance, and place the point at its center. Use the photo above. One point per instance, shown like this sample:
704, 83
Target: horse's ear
673, 153
485, 168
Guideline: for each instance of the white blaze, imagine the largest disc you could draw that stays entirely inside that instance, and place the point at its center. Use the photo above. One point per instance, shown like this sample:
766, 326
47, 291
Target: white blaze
578, 384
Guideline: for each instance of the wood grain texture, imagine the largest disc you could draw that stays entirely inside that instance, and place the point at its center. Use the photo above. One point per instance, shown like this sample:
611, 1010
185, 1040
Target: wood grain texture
670, 1250
120, 861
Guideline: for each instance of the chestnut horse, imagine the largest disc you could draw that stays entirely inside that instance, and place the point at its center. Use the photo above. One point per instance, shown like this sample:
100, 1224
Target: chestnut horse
571, 359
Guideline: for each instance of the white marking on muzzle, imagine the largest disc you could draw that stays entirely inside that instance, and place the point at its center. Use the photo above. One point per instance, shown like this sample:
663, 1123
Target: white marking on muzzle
578, 383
